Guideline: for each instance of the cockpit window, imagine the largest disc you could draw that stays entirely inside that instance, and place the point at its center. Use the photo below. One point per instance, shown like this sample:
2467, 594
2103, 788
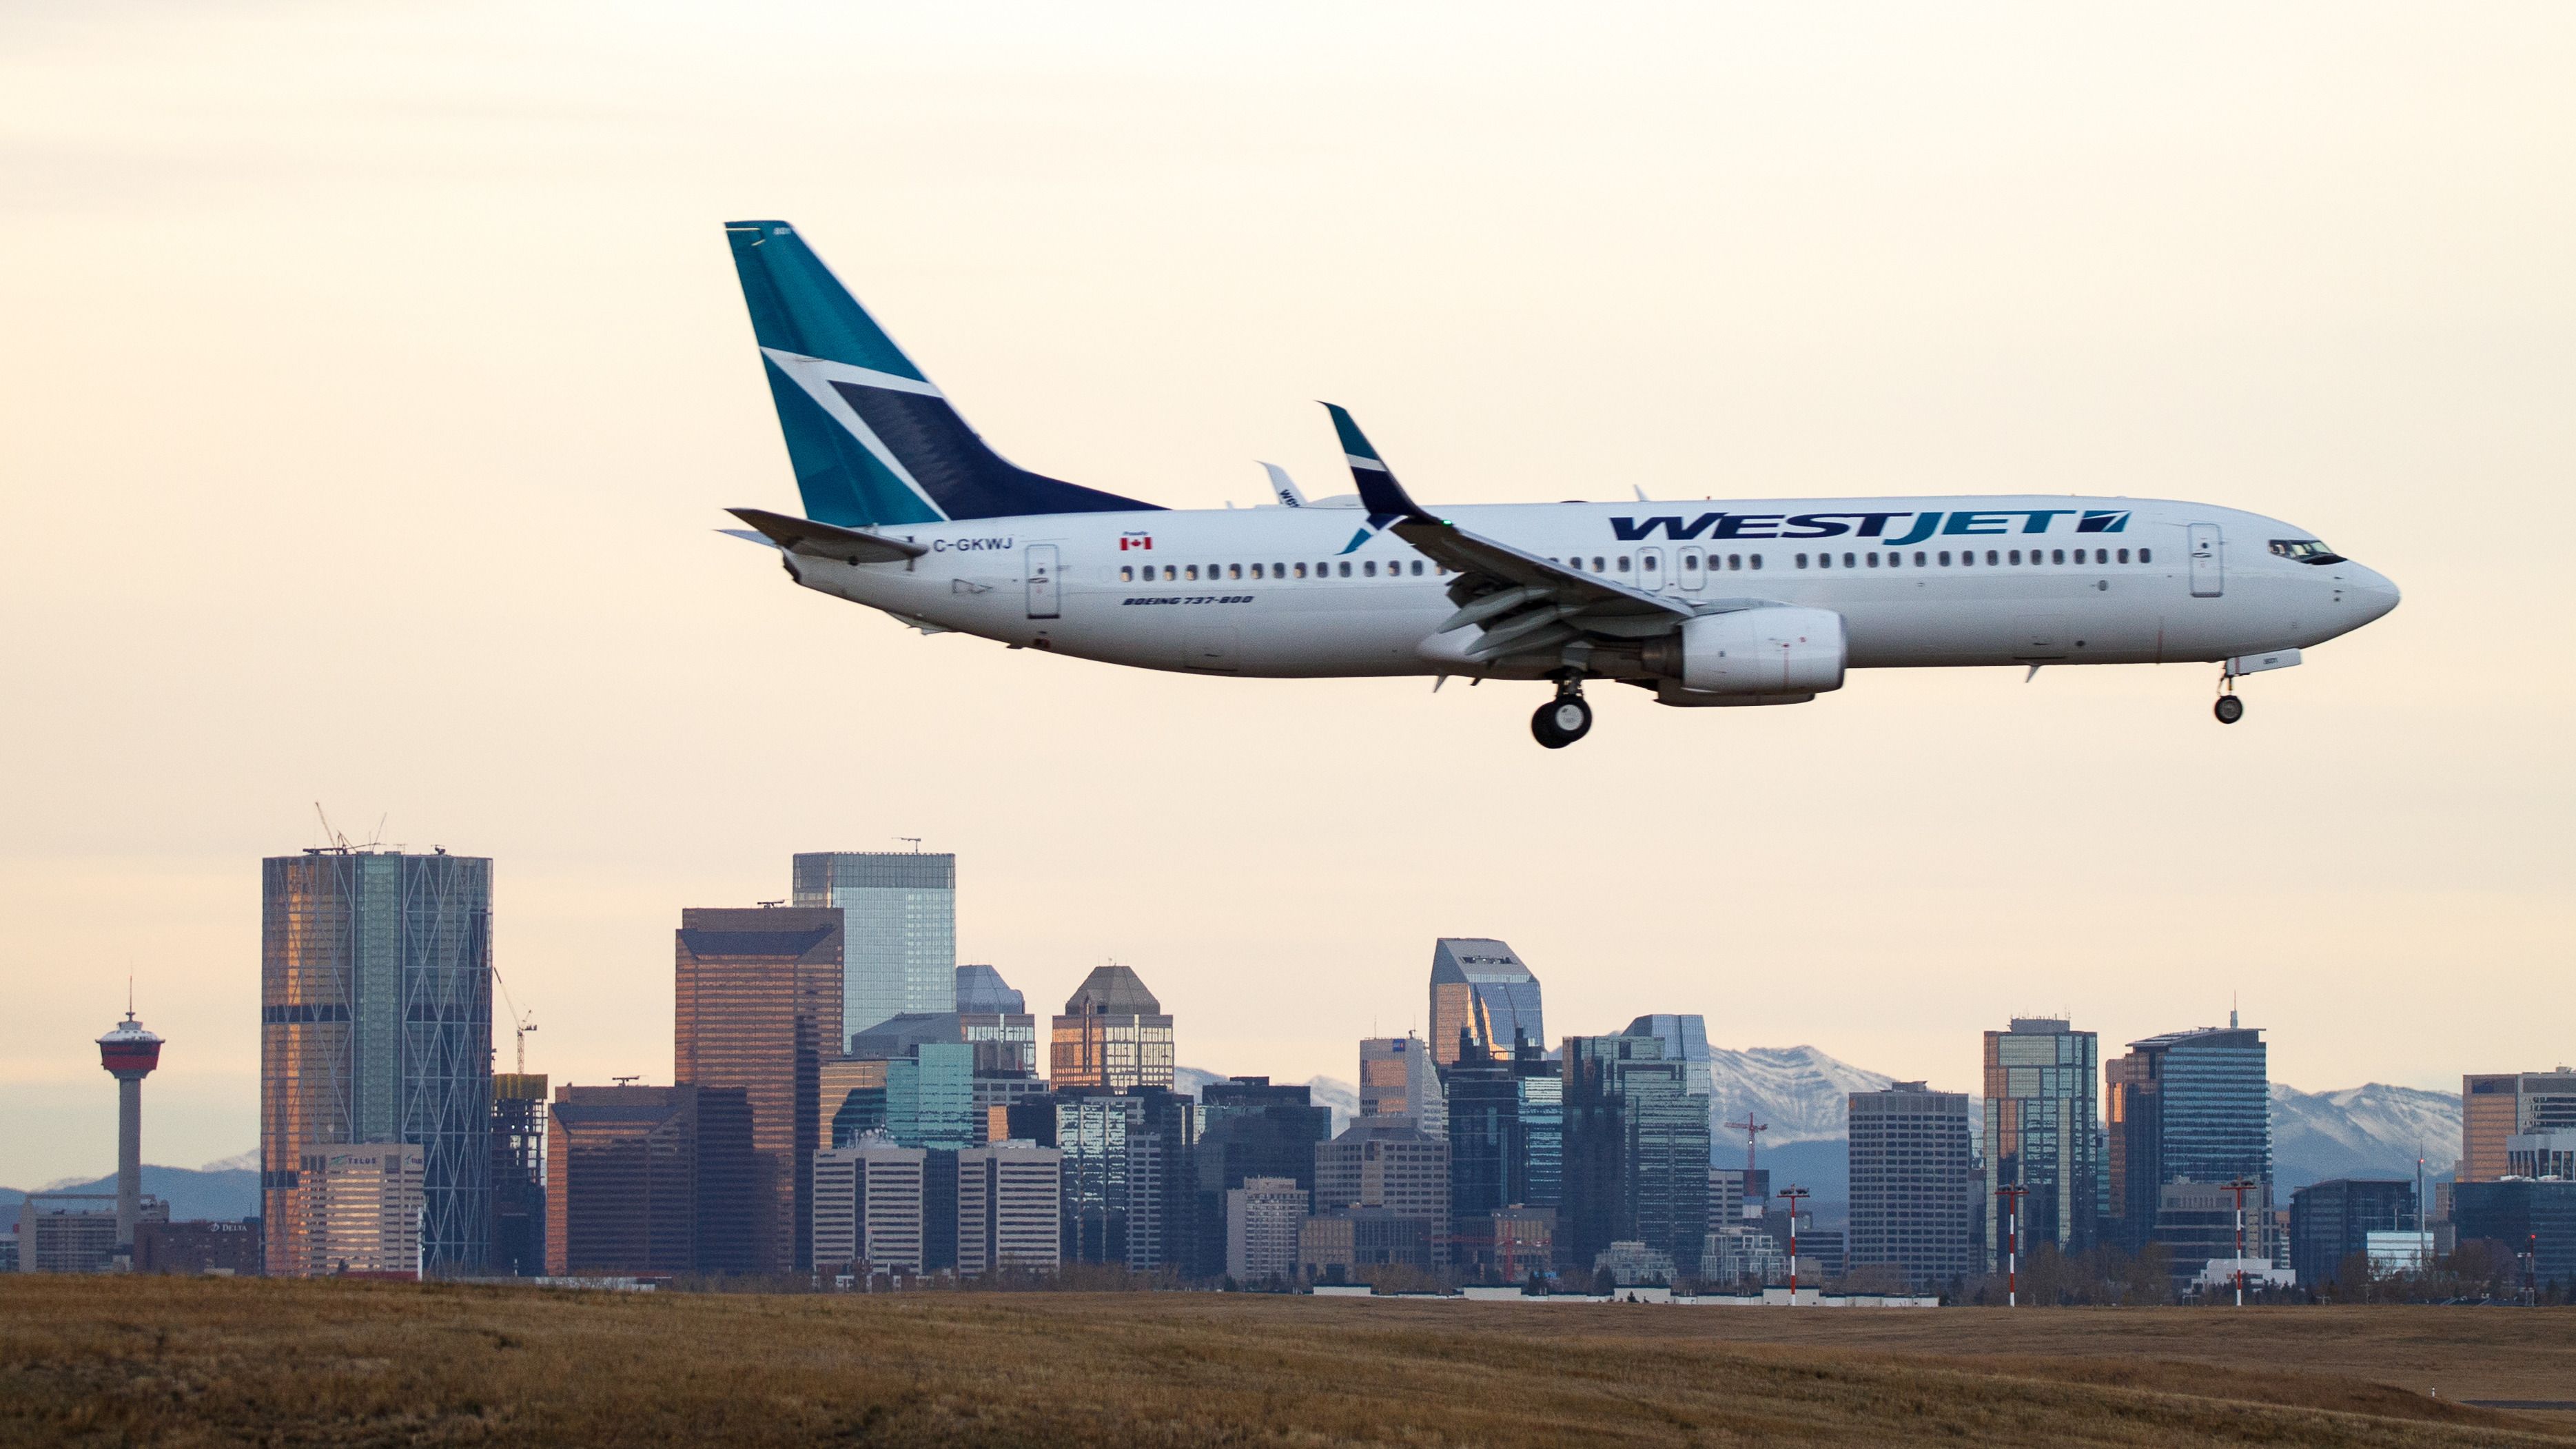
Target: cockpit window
2306, 551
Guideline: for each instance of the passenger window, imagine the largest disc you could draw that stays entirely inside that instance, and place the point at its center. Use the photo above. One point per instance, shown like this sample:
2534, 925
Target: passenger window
2101, 555
1847, 561
1191, 572
1301, 571
1369, 569
1234, 571
1170, 572
2146, 555
2124, 555
1623, 563
1757, 560
1126, 574
1945, 558
1279, 571
1735, 561
1417, 568
1802, 560
2016, 556
1990, 558
1873, 560
1256, 571
1918, 558
1346, 568
1690, 563
1596, 564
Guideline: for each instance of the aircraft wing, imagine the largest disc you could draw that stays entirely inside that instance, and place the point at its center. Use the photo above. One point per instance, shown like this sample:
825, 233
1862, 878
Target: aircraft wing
1522, 601
825, 540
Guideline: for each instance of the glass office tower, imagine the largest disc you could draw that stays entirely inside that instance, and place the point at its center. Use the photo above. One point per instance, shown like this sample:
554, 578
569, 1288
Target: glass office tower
1481, 996
899, 913
2042, 1132
2189, 1106
376, 1027
757, 1006
1636, 1153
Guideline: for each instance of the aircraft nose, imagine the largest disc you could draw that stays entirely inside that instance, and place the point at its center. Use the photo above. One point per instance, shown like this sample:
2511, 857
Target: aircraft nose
2376, 591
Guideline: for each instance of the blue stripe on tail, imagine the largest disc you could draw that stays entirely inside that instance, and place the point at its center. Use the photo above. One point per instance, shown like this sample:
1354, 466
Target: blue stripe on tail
867, 403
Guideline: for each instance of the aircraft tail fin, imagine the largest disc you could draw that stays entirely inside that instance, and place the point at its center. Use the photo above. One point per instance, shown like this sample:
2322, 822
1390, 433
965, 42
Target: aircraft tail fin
872, 441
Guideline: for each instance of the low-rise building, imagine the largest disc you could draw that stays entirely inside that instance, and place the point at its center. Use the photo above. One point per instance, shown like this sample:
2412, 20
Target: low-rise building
1342, 1245
225, 1249
1633, 1264
74, 1232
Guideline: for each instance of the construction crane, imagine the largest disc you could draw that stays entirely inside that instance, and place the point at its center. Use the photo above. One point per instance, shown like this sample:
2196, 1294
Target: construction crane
1749, 1127
521, 1022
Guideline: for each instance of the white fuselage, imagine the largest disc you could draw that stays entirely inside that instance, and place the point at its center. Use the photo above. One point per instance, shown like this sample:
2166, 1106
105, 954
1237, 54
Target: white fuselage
1312, 592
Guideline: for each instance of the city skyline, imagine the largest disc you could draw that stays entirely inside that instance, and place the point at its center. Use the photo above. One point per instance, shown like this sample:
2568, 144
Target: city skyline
2310, 276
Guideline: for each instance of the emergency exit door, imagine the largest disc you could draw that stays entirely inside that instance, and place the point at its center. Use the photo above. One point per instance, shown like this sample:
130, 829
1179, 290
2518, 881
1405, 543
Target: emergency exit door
2208, 561
1042, 569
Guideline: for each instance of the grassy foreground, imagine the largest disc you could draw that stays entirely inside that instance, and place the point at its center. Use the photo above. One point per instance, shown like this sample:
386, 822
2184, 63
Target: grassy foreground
205, 1361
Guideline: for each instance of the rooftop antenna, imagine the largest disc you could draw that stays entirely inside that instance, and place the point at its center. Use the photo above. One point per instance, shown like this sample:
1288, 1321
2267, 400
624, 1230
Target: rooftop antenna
2231, 1011
913, 840
626, 1081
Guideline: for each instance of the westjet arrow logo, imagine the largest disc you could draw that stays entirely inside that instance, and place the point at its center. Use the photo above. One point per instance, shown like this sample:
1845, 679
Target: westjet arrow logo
1918, 526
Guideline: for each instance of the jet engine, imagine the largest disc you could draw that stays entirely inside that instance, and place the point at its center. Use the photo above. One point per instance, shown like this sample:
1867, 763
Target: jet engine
1751, 656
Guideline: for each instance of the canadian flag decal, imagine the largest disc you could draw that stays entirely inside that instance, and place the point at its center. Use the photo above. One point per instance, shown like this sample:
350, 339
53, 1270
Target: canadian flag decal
1127, 541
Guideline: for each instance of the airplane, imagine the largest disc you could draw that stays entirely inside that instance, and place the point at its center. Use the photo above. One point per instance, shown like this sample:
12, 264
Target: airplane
1726, 602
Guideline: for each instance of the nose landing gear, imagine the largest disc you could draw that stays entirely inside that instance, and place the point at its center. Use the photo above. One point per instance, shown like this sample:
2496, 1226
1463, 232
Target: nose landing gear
2229, 709
1564, 719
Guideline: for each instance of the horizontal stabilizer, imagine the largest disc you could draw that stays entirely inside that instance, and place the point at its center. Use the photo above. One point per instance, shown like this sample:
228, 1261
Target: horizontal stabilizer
826, 540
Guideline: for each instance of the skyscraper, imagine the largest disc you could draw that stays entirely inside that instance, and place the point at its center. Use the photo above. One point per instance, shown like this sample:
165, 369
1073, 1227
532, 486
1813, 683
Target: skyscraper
2042, 1132
1128, 1177
1685, 1039
1506, 1141
758, 1006
1113, 1034
1385, 1162
1009, 1209
1911, 1193
1398, 1078
1636, 1152
2191, 1107
648, 1180
899, 918
2498, 1105
1483, 996
1250, 1127
981, 990
519, 1173
376, 1027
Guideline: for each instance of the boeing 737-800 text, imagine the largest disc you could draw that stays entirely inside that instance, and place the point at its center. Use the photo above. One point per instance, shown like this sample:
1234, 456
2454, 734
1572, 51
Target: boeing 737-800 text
1740, 601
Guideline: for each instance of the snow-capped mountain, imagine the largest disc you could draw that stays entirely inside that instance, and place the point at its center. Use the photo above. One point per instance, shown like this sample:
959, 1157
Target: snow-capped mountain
2374, 1131
1798, 1090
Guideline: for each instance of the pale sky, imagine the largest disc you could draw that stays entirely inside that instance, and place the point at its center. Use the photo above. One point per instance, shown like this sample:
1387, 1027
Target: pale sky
372, 379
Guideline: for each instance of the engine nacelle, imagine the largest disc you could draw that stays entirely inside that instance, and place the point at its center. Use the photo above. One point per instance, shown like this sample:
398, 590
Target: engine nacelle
1770, 652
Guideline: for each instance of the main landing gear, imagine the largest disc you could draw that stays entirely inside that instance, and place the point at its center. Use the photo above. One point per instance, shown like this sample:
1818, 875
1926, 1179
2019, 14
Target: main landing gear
1564, 719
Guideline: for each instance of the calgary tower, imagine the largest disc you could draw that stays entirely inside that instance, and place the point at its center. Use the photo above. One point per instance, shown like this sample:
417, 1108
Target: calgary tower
129, 1053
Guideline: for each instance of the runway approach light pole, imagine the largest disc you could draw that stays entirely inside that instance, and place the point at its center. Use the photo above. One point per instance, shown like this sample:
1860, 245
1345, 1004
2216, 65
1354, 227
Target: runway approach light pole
1793, 1195
2239, 1186
2011, 1198
129, 1053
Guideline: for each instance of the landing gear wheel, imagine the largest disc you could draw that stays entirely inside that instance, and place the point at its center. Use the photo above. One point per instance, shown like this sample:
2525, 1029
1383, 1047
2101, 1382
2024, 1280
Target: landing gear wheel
1561, 721
2229, 709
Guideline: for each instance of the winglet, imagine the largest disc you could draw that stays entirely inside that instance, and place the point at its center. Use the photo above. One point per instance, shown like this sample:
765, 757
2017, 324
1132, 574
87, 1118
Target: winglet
1284, 488
1383, 496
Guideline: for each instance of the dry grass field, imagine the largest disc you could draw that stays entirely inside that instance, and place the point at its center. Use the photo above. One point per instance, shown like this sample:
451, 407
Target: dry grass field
185, 1362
